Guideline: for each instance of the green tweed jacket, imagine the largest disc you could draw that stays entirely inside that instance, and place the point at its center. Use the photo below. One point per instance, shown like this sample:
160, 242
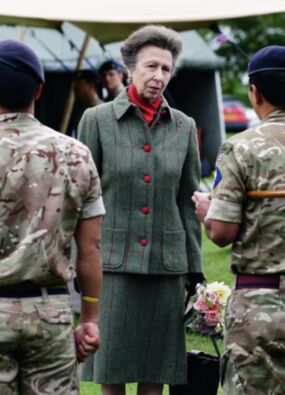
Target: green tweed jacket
148, 175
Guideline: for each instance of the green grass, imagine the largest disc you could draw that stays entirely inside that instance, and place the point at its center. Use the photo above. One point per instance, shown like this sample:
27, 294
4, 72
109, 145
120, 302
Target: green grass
95, 389
216, 268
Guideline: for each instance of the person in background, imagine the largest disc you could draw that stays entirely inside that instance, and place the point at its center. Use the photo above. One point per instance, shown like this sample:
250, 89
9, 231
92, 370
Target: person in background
147, 155
112, 76
87, 88
50, 191
247, 208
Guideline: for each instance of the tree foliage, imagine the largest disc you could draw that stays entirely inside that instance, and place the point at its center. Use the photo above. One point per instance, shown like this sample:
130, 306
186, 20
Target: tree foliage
249, 34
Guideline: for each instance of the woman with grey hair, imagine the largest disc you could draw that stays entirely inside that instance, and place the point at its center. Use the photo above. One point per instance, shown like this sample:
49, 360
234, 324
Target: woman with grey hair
147, 157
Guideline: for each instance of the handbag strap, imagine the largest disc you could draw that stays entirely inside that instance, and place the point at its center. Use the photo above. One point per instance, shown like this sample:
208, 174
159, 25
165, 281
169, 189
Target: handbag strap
212, 337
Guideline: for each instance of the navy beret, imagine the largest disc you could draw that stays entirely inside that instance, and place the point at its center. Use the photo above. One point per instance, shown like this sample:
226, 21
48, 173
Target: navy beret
20, 57
110, 65
87, 75
271, 58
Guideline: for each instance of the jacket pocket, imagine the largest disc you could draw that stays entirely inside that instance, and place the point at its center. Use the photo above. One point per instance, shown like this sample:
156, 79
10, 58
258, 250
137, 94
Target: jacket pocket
113, 247
174, 251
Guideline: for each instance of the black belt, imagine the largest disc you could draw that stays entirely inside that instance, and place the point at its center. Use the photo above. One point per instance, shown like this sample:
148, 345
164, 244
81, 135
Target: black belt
31, 292
257, 281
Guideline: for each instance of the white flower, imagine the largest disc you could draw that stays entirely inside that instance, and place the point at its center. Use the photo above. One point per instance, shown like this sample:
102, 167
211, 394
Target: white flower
221, 289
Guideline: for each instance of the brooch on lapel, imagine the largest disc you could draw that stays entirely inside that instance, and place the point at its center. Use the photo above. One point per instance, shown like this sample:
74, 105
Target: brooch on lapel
179, 123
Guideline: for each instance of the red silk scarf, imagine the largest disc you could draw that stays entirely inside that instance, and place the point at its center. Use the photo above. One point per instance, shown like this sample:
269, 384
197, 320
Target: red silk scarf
148, 109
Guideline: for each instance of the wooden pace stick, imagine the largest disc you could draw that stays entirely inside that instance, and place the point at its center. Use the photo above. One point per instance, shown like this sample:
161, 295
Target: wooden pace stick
265, 194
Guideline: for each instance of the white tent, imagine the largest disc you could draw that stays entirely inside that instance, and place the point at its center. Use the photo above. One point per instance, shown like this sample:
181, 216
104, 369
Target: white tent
58, 50
112, 20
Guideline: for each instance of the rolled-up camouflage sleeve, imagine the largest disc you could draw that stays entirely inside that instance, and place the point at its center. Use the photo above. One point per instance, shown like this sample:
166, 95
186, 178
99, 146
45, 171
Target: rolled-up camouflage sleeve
228, 191
93, 205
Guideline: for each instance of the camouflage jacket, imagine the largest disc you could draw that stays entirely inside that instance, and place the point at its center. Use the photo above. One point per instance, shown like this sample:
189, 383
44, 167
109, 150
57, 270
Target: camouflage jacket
48, 182
148, 176
253, 160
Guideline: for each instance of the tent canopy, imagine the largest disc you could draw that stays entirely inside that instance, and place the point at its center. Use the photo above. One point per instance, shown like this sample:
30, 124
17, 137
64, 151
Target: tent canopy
58, 50
113, 20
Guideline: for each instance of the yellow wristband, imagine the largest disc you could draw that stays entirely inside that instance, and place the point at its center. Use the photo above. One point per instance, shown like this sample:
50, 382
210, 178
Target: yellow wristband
90, 299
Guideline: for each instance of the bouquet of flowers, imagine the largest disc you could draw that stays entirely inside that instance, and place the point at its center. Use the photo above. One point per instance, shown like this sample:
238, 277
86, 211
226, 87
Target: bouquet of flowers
206, 314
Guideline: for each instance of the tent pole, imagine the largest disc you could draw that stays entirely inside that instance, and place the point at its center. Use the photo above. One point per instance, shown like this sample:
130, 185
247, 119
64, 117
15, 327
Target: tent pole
23, 30
71, 97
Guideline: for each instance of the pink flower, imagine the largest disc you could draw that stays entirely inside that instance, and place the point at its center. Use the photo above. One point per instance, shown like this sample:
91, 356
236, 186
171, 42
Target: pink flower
201, 305
212, 317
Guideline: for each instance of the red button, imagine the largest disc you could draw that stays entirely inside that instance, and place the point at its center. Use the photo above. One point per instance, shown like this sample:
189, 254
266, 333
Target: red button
143, 242
147, 148
145, 210
163, 112
158, 123
147, 179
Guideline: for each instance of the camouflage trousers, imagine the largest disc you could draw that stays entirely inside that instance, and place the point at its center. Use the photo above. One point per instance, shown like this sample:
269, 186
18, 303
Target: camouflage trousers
37, 350
254, 359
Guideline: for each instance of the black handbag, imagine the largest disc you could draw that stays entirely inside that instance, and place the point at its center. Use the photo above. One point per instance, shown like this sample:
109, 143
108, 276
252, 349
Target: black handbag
203, 373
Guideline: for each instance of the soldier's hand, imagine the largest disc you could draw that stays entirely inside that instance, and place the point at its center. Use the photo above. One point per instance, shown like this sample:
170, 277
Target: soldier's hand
87, 339
202, 202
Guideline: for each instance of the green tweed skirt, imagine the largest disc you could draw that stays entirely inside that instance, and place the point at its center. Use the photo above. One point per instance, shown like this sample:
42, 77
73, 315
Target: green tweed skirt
142, 331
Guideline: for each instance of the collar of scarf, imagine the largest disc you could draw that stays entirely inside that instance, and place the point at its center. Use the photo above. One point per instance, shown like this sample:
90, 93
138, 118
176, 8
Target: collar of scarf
148, 109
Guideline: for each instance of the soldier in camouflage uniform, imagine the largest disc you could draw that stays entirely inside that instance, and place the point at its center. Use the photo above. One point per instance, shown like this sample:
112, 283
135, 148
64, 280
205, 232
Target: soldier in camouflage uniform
254, 357
49, 191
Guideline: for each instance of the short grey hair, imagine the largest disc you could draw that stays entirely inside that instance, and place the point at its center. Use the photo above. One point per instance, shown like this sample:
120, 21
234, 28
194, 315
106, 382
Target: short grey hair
156, 35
